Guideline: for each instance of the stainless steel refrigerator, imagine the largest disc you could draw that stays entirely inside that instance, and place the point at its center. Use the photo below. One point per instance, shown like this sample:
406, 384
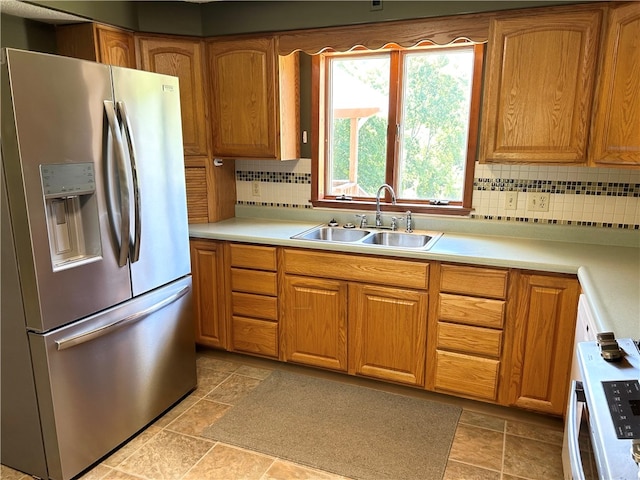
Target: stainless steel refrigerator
97, 328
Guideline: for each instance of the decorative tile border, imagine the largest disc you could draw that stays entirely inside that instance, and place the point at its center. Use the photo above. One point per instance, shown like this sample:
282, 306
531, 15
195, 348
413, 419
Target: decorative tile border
272, 204
274, 177
286, 189
609, 189
624, 226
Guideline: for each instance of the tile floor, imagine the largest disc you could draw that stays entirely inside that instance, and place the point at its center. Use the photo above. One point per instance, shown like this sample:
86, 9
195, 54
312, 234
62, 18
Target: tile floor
491, 443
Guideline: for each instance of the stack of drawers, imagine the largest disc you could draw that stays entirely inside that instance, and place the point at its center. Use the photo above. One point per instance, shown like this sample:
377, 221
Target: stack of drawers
471, 316
254, 302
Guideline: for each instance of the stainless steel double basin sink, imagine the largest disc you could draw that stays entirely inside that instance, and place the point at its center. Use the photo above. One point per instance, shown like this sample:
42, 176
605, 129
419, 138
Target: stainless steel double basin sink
385, 238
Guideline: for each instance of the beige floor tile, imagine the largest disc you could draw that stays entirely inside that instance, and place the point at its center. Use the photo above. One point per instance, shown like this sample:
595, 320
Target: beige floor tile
118, 475
283, 470
477, 446
7, 473
168, 456
208, 379
198, 417
233, 389
543, 433
208, 361
253, 372
96, 473
462, 471
532, 459
130, 447
481, 420
226, 462
176, 411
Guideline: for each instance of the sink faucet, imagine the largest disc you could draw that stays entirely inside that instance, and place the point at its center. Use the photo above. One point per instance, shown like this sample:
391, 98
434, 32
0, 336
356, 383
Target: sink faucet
393, 202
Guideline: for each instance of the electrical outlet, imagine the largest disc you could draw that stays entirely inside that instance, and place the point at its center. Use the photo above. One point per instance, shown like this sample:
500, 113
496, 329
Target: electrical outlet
255, 189
538, 202
511, 201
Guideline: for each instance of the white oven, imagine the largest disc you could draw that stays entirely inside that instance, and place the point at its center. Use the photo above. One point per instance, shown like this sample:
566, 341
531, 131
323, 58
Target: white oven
602, 430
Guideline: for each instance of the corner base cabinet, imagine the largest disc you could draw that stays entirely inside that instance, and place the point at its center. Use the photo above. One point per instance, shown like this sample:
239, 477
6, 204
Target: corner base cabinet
542, 342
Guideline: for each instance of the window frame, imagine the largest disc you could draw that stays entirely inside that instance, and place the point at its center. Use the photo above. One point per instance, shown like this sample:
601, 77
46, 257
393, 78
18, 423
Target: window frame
319, 138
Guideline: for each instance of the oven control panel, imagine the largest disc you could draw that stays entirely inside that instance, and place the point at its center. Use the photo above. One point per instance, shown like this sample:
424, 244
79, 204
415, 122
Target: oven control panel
623, 398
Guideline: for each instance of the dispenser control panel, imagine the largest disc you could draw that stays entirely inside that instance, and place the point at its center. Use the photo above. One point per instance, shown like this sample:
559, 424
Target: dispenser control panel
65, 179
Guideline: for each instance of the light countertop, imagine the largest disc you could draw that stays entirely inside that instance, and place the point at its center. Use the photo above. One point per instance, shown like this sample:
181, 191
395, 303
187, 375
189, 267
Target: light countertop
609, 275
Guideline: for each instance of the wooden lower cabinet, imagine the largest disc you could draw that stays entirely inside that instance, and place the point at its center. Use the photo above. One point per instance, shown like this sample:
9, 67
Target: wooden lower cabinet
208, 296
542, 342
387, 333
253, 299
314, 320
497, 335
466, 347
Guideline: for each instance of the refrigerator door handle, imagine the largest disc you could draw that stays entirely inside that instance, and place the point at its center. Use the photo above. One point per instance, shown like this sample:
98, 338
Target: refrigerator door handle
84, 337
135, 246
122, 176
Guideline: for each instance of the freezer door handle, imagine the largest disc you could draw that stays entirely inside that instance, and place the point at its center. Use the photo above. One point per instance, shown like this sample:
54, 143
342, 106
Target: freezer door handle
122, 177
124, 117
84, 337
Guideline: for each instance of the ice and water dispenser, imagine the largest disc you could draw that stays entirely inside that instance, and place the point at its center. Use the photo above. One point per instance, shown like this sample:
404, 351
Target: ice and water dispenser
72, 213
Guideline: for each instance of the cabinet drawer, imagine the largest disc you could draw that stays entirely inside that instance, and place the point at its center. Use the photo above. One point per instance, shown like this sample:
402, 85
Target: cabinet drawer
256, 306
252, 281
481, 282
482, 312
254, 336
463, 338
253, 256
466, 374
401, 273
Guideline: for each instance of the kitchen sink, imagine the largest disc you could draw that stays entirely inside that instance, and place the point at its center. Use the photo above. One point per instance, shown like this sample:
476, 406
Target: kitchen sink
333, 234
371, 237
398, 239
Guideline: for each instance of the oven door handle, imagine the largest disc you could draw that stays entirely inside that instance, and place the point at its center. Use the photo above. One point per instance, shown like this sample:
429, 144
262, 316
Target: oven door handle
577, 395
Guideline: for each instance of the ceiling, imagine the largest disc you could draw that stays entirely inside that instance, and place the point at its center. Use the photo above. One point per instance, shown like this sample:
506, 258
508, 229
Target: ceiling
19, 8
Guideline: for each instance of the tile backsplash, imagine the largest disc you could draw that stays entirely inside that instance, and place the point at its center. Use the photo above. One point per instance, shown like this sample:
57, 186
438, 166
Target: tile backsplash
597, 197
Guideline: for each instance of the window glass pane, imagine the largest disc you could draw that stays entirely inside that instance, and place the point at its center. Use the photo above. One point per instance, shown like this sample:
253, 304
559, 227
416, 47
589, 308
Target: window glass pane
357, 114
435, 124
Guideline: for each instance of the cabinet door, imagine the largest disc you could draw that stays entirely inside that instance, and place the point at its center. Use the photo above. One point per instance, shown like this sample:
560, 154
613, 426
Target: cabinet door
182, 58
314, 319
387, 333
97, 43
539, 87
542, 344
244, 93
198, 182
116, 47
208, 284
616, 123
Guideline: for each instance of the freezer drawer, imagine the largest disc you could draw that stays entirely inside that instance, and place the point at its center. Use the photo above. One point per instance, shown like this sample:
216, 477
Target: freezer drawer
102, 379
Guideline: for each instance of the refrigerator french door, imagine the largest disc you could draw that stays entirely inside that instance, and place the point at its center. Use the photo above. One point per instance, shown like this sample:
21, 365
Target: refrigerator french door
97, 332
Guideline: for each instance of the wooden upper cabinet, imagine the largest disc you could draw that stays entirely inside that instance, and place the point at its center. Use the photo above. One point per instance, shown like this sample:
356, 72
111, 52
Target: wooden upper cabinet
539, 87
255, 104
616, 122
98, 43
182, 58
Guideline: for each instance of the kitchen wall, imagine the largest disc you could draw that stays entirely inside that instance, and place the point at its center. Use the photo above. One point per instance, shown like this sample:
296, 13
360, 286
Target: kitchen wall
594, 197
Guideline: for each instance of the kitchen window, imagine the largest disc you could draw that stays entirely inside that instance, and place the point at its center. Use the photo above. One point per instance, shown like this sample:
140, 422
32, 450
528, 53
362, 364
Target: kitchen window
407, 117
